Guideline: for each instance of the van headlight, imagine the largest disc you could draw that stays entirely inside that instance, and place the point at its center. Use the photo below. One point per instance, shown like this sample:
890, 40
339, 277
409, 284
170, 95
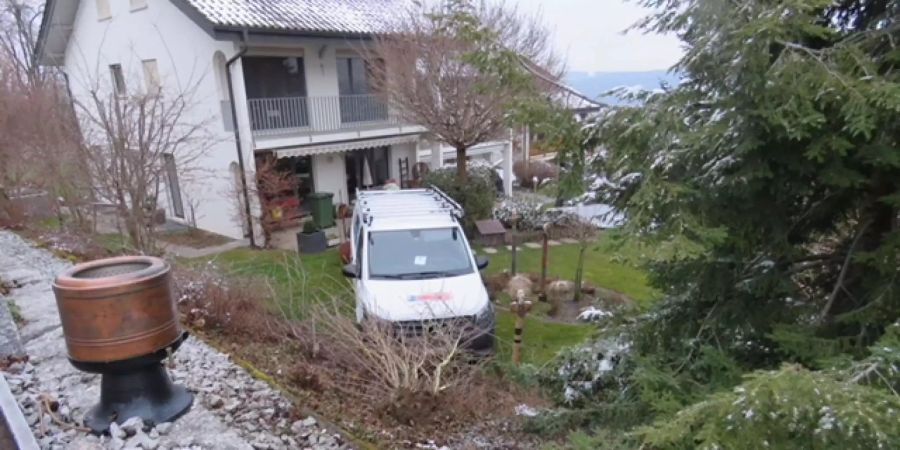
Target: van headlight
485, 318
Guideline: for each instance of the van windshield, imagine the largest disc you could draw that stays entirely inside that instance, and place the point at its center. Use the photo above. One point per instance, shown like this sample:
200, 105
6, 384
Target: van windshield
418, 254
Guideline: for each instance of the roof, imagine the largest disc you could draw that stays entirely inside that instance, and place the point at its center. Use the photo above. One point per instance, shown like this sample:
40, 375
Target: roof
326, 18
355, 17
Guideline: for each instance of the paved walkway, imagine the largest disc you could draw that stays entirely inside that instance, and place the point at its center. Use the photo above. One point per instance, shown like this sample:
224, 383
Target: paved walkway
231, 410
183, 251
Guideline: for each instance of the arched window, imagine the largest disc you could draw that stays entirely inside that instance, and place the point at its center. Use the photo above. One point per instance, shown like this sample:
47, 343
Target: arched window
222, 88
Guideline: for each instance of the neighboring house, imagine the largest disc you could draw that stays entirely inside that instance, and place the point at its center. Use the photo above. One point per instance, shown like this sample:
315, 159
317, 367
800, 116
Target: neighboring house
278, 78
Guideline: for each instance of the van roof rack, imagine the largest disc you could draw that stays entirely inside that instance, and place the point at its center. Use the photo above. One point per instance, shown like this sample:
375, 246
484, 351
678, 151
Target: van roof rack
406, 202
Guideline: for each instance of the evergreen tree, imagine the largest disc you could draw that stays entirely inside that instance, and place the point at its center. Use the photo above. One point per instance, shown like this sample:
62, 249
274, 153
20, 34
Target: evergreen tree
766, 188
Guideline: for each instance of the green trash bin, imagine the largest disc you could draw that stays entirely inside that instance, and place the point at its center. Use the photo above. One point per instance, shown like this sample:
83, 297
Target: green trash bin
321, 208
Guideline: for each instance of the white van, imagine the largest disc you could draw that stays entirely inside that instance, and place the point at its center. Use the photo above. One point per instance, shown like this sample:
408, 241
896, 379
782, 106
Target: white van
412, 265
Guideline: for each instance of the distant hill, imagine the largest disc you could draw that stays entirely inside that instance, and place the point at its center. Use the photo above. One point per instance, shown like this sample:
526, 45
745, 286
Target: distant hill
594, 84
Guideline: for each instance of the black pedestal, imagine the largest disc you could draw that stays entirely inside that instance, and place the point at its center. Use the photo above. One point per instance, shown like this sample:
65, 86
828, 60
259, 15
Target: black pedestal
137, 387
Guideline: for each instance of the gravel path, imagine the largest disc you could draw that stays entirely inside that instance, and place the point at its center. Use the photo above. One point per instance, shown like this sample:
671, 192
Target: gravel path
232, 410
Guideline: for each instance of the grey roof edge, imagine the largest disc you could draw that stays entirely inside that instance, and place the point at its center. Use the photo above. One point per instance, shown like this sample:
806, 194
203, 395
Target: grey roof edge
46, 18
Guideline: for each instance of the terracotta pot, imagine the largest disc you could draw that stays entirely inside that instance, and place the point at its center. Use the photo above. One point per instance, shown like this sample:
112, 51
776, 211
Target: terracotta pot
117, 308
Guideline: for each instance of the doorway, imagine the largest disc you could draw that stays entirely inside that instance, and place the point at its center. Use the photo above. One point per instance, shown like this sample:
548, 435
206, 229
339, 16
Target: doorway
366, 168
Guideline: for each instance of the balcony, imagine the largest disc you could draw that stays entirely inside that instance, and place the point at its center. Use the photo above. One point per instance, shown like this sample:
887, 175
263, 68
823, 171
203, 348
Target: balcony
285, 115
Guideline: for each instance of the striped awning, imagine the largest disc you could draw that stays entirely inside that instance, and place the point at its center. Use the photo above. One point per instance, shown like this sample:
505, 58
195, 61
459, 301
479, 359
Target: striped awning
344, 146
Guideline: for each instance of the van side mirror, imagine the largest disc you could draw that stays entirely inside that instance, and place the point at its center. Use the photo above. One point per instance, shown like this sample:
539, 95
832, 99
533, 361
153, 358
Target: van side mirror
350, 271
481, 261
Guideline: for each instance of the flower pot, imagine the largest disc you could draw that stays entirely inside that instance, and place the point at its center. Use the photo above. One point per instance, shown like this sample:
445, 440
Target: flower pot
312, 242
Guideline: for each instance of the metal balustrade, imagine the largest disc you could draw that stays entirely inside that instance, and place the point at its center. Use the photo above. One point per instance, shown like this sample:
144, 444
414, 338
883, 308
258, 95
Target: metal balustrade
317, 114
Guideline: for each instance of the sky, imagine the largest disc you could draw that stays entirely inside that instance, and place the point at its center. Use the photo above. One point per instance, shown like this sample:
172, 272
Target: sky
589, 34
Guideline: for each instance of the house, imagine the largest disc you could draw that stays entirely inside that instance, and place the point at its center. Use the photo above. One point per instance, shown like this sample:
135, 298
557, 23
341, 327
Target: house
279, 79
274, 79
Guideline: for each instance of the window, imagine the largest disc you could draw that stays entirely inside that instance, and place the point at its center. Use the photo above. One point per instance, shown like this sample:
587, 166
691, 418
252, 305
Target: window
355, 89
353, 76
418, 254
103, 11
138, 4
174, 187
151, 75
118, 79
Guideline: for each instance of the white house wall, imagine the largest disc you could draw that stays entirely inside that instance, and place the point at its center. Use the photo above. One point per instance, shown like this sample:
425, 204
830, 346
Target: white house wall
398, 152
330, 175
184, 55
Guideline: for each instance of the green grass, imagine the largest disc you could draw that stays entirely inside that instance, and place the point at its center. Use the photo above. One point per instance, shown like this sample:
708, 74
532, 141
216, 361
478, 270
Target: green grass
604, 266
306, 278
296, 279
541, 339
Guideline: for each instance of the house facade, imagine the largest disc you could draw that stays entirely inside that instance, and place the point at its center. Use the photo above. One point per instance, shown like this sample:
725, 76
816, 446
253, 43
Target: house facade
272, 80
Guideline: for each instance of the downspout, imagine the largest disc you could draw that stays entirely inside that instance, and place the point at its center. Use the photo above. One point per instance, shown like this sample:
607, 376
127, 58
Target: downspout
237, 137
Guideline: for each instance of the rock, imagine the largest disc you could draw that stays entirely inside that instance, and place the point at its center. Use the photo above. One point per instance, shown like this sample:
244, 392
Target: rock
132, 426
518, 283
116, 431
561, 291
143, 441
297, 427
215, 402
163, 428
309, 421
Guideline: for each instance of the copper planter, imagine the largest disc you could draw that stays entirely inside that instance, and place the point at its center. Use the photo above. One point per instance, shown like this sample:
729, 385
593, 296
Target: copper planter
117, 308
119, 320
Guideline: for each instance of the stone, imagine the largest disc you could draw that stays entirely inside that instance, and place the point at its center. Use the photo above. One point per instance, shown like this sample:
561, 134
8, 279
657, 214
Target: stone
532, 245
561, 291
518, 283
132, 426
553, 243
489, 250
215, 402
10, 344
309, 421
163, 428
143, 441
116, 431
297, 427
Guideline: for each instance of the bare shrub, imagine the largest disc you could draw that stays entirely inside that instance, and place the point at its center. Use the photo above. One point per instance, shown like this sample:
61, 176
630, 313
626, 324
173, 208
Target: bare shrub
534, 173
404, 373
236, 305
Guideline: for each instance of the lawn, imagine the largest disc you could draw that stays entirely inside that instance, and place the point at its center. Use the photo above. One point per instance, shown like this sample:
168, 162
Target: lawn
604, 266
310, 277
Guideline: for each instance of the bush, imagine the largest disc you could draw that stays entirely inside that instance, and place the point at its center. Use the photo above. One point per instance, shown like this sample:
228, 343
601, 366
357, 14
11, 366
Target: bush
535, 170
232, 305
476, 196
529, 211
410, 379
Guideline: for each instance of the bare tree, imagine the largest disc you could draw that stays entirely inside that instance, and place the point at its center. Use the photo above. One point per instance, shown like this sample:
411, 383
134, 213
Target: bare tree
459, 68
19, 21
129, 137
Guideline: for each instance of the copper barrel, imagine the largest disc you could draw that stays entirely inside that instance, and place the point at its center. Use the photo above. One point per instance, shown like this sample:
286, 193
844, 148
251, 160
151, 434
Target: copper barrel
117, 308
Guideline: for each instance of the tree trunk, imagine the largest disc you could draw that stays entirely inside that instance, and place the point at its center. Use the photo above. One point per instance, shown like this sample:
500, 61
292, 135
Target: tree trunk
461, 164
579, 270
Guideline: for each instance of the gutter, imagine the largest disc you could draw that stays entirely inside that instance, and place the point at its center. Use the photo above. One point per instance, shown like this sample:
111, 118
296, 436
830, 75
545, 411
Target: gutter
237, 137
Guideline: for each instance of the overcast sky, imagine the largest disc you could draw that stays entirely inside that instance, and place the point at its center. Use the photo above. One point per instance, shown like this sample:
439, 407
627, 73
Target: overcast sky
589, 34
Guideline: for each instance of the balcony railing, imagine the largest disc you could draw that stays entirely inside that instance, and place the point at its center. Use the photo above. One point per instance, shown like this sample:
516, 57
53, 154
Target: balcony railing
317, 114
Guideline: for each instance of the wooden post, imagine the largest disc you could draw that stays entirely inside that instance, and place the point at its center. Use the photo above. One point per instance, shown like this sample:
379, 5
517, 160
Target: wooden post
520, 307
545, 249
515, 228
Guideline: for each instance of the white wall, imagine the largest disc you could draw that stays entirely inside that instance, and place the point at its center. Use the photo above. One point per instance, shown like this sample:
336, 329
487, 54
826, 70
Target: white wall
398, 152
329, 175
184, 55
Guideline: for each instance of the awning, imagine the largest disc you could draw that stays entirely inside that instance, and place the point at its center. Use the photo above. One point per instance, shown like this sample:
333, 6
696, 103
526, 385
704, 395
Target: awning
344, 146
